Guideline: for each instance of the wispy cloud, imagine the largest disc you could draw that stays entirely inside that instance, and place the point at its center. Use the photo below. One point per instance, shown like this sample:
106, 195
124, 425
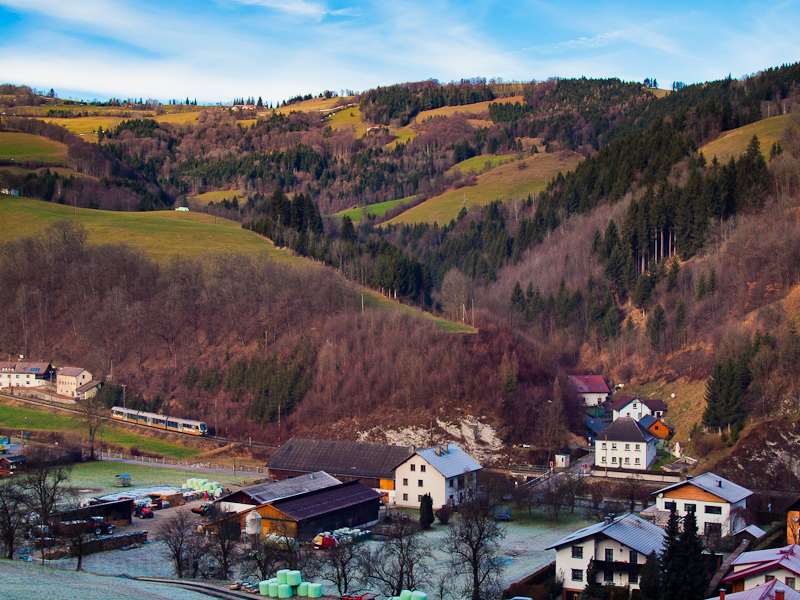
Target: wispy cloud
298, 8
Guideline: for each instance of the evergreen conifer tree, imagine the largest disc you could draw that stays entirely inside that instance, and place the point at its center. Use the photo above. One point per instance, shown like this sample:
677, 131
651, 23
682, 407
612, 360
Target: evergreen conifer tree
656, 325
426, 512
593, 589
670, 563
693, 580
650, 578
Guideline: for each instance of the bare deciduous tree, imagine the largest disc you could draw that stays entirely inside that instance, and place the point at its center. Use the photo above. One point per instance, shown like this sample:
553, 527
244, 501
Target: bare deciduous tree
91, 417
44, 480
177, 531
13, 507
400, 563
340, 564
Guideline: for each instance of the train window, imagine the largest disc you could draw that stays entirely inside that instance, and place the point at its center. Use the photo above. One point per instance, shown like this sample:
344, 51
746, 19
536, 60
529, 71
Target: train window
173, 424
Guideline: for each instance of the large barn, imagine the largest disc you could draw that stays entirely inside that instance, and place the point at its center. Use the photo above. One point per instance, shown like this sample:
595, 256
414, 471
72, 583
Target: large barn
373, 464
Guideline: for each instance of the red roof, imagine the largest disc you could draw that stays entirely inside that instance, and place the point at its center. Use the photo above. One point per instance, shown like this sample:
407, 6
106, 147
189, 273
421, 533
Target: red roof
585, 384
787, 558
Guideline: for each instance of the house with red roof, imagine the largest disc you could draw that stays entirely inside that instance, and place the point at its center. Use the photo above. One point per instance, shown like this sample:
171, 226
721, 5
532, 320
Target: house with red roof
774, 590
752, 569
592, 388
24, 374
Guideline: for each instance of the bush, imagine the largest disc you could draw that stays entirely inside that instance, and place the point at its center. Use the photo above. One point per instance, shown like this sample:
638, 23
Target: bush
444, 514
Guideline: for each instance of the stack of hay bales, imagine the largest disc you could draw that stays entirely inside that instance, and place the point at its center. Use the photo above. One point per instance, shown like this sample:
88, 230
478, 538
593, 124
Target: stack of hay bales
287, 584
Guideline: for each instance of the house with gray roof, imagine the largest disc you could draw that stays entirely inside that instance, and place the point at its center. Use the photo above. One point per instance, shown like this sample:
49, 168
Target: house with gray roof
635, 407
619, 547
625, 445
445, 472
717, 503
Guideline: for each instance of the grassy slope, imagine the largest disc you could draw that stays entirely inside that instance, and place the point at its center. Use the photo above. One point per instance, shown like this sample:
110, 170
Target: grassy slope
19, 418
503, 183
220, 195
24, 146
378, 209
162, 234
734, 142
477, 164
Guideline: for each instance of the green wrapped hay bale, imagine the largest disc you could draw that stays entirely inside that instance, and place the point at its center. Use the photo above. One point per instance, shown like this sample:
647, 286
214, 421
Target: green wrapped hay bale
281, 575
314, 590
263, 587
284, 590
273, 589
293, 577
302, 589
405, 595
417, 595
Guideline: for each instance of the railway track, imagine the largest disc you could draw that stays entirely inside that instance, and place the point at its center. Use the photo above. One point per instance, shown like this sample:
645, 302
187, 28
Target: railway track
66, 409
194, 587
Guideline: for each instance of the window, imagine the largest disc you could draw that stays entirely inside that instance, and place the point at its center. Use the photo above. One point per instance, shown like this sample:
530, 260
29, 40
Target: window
690, 508
613, 459
422, 468
602, 459
419, 498
638, 460
405, 481
633, 577
577, 552
634, 557
608, 575
613, 446
670, 506
768, 578
790, 582
713, 529
638, 446
419, 484
413, 467
609, 555
451, 482
577, 574
713, 510
405, 497
627, 446
627, 460
603, 446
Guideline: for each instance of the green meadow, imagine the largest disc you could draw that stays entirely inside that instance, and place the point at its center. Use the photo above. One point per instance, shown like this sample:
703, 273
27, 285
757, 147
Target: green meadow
379, 209
733, 143
25, 147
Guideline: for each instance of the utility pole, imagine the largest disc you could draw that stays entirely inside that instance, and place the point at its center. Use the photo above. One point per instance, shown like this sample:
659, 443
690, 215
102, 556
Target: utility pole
123, 395
279, 424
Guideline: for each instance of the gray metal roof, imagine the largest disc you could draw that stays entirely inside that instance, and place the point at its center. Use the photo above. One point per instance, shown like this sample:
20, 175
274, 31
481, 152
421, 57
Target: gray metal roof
450, 463
340, 459
629, 530
626, 429
714, 484
268, 492
328, 500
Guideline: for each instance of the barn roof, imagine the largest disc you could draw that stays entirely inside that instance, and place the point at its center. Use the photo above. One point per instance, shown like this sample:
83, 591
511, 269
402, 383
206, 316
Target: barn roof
321, 502
351, 459
267, 492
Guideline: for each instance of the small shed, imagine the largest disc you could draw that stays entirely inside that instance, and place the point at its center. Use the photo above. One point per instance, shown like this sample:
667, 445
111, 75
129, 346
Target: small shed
562, 461
122, 480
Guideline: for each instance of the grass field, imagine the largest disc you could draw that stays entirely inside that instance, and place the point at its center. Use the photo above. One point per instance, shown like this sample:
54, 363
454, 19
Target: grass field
468, 109
19, 418
161, 234
99, 476
220, 195
734, 142
24, 146
379, 209
476, 164
502, 183
62, 171
348, 119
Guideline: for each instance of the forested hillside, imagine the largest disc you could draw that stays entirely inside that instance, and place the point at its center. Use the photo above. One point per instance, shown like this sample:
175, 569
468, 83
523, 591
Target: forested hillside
649, 261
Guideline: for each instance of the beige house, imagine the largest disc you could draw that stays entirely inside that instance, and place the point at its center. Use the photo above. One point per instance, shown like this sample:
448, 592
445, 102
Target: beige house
445, 472
70, 379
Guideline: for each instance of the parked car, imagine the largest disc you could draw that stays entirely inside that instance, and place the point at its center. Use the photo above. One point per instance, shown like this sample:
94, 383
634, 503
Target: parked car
324, 541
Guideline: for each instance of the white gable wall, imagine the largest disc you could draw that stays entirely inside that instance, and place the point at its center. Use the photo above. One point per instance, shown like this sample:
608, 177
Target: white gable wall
626, 455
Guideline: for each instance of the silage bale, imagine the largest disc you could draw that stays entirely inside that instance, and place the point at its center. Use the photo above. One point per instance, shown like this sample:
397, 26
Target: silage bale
293, 577
314, 590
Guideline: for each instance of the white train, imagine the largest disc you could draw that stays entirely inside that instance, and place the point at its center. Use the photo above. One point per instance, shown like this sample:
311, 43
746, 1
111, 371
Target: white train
159, 421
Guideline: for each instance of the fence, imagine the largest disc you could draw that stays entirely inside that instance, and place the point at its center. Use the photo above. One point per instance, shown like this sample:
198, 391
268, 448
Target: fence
107, 454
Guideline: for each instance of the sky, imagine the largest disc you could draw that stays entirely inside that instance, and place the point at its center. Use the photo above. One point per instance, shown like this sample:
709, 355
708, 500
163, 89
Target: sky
218, 50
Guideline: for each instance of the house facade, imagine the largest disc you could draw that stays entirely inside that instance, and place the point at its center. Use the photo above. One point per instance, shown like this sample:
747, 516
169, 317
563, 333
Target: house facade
636, 408
445, 472
655, 426
715, 501
752, 569
625, 445
593, 389
69, 379
619, 547
24, 374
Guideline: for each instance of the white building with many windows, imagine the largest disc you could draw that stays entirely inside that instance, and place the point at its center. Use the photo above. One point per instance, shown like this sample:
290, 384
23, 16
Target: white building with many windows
636, 408
445, 472
592, 389
24, 374
625, 445
619, 547
717, 503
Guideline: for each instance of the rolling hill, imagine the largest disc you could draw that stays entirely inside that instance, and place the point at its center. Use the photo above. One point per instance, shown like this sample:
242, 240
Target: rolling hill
733, 143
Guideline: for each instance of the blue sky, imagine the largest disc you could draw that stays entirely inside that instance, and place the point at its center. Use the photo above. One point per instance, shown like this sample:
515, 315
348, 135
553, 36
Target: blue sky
215, 50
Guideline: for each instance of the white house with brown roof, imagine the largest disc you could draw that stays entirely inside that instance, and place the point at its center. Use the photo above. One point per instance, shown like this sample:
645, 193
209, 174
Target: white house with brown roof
619, 547
625, 445
593, 389
715, 501
70, 379
24, 374
636, 408
445, 472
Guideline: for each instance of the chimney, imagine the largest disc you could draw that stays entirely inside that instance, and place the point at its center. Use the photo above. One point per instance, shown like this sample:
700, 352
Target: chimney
721, 593
438, 450
444, 449
779, 593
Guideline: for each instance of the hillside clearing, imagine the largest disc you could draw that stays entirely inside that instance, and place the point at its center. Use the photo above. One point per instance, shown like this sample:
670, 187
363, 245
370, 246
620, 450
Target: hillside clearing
379, 209
219, 196
501, 183
733, 143
23, 147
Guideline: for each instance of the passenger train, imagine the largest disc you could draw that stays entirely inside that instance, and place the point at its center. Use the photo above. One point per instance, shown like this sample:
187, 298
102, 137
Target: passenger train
159, 421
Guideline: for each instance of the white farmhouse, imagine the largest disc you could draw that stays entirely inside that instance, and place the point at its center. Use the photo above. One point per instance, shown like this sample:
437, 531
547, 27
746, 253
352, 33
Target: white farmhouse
445, 472
593, 389
751, 569
625, 445
24, 374
619, 547
716, 503
636, 408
